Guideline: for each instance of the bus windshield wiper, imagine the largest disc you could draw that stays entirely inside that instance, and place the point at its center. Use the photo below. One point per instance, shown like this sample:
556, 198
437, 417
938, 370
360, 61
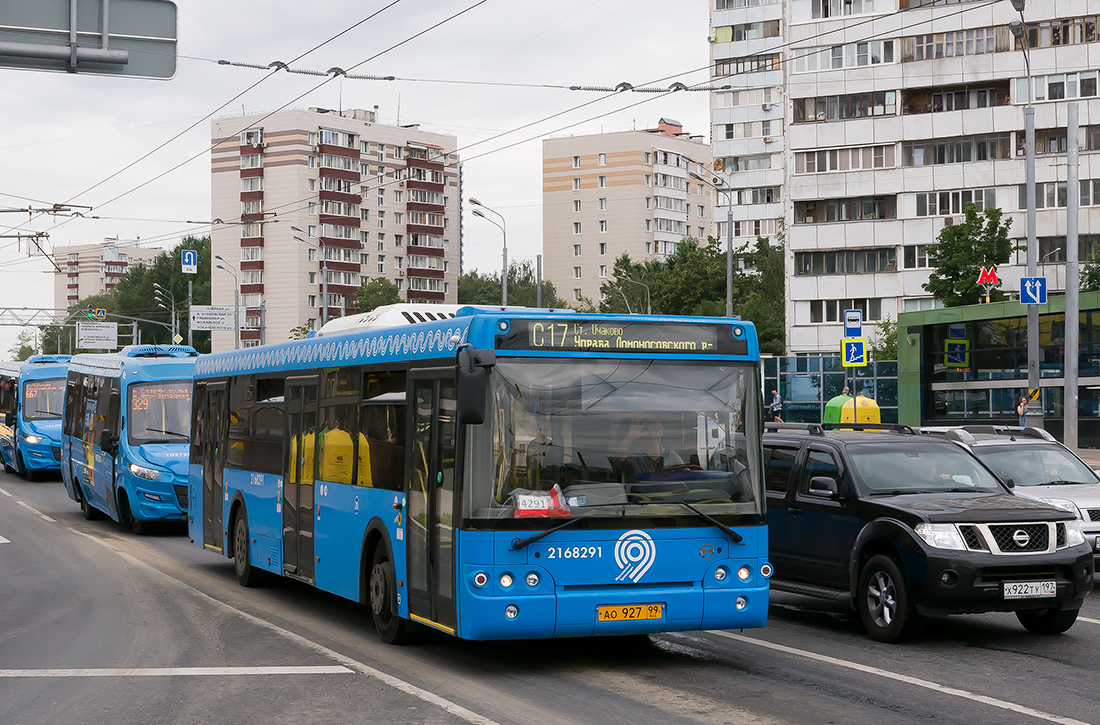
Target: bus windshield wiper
166, 432
737, 538
521, 543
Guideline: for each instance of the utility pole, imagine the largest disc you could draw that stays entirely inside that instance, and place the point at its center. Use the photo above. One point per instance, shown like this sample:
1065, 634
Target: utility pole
1073, 284
538, 275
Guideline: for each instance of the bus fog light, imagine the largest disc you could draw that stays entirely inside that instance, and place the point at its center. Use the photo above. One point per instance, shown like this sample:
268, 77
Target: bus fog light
744, 573
532, 579
151, 496
511, 611
481, 579
506, 580
721, 573
742, 602
765, 570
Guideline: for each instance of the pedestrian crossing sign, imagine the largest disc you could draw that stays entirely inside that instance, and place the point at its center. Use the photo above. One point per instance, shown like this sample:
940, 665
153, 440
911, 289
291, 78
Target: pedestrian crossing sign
855, 352
956, 353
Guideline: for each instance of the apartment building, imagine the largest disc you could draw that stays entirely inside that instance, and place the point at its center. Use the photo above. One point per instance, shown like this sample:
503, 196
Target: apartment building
317, 202
609, 194
899, 112
94, 269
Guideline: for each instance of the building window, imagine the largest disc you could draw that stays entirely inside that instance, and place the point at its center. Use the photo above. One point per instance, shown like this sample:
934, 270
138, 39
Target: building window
916, 257
311, 301
601, 160
381, 264
747, 64
933, 152
854, 261
576, 162
576, 205
849, 159
576, 250
311, 278
649, 225
826, 311
603, 270
252, 183
576, 295
252, 161
851, 55
840, 108
841, 210
975, 41
601, 182
603, 204
576, 227
576, 273
1065, 31
746, 31
1057, 87
576, 184
603, 226
603, 247
649, 247
834, 8
648, 158
943, 203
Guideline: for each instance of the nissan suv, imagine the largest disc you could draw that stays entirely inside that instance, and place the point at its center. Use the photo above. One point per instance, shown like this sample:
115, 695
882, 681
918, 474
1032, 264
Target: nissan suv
901, 525
1039, 467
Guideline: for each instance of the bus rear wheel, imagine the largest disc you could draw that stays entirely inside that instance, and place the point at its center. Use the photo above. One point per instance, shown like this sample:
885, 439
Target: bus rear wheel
381, 587
247, 575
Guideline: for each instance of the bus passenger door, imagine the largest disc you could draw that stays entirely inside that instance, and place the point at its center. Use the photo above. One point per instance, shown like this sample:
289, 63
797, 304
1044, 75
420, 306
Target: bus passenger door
213, 462
430, 548
301, 427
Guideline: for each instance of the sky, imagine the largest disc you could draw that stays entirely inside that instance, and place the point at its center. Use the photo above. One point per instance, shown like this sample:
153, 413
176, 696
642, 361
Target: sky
61, 134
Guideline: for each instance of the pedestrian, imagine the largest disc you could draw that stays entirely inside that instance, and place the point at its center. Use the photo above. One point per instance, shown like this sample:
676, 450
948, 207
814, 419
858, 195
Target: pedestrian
846, 391
777, 407
1021, 410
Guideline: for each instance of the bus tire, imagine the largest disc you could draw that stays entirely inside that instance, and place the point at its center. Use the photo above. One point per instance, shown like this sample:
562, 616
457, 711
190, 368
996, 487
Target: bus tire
126, 514
27, 473
247, 575
380, 588
91, 513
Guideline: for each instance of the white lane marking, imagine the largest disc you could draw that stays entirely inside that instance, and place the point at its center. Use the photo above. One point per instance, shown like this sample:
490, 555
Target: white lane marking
35, 511
5, 493
179, 671
916, 681
1090, 620
4, 541
395, 682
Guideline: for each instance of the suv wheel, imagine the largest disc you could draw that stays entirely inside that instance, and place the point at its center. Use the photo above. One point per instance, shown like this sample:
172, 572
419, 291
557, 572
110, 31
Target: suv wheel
883, 600
1047, 621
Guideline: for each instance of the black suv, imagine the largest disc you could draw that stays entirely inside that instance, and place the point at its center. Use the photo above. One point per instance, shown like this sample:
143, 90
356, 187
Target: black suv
902, 525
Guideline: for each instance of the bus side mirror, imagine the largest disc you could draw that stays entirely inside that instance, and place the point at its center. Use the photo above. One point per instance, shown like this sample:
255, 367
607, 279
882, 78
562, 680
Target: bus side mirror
472, 374
9, 418
106, 442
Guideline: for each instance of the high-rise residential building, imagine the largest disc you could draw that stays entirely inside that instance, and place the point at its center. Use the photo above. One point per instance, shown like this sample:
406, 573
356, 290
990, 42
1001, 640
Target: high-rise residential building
609, 194
316, 202
898, 113
94, 269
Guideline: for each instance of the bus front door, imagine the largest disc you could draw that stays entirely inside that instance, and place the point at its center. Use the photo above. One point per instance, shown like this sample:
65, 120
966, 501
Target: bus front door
301, 426
430, 548
213, 467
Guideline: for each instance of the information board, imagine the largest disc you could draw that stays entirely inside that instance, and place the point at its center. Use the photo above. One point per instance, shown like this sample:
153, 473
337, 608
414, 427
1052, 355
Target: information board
97, 335
211, 317
623, 337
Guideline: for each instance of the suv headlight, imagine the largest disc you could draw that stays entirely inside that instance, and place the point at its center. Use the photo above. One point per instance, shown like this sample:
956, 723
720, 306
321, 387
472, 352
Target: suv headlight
1063, 503
1074, 535
33, 440
941, 536
150, 474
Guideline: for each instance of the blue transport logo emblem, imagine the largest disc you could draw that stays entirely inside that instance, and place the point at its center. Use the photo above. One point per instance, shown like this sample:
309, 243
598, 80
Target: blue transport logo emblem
634, 553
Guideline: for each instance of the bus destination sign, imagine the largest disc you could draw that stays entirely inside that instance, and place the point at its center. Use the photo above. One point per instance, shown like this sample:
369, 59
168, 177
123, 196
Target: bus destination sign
621, 337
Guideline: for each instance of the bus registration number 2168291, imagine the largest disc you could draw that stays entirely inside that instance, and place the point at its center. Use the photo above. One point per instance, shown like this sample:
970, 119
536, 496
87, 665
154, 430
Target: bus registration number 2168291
574, 552
629, 612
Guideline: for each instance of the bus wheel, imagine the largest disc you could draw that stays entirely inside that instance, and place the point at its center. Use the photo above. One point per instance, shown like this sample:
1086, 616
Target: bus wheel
247, 575
390, 627
126, 515
91, 513
31, 475
8, 468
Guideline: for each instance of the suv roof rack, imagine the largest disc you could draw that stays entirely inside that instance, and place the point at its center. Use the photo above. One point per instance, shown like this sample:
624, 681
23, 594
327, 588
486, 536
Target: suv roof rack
877, 427
1009, 430
813, 429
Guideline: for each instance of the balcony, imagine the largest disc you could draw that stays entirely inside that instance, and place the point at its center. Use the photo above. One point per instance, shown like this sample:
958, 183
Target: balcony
938, 99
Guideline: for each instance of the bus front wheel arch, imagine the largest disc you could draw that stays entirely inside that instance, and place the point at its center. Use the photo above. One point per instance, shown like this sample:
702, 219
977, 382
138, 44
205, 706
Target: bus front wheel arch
381, 593
126, 515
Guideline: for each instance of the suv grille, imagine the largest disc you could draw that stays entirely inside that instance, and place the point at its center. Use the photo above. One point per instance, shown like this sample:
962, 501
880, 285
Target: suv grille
1094, 514
181, 495
1013, 538
1061, 528
972, 538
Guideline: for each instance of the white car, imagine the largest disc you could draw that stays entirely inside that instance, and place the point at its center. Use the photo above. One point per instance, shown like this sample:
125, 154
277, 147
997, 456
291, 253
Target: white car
1038, 466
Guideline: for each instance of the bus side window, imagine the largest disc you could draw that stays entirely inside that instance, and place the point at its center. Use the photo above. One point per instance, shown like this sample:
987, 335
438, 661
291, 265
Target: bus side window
198, 422
337, 444
381, 455
240, 424
114, 408
266, 444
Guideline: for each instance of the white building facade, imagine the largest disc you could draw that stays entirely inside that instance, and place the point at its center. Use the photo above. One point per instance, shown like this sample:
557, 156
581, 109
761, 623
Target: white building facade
94, 269
898, 113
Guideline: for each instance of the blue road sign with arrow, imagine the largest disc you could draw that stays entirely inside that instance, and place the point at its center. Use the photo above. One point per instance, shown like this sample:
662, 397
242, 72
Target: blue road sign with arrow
1033, 290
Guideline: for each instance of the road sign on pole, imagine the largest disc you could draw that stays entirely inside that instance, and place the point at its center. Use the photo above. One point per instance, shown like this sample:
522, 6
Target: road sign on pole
1033, 290
956, 353
189, 261
212, 317
97, 335
100, 314
853, 323
855, 352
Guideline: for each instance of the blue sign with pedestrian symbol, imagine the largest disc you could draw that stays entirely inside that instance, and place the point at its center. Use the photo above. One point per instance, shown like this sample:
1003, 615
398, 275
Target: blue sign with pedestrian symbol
956, 353
855, 352
1033, 290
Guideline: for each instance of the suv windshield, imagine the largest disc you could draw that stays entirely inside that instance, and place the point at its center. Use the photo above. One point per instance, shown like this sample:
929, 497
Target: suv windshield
619, 437
917, 467
160, 412
43, 399
1035, 465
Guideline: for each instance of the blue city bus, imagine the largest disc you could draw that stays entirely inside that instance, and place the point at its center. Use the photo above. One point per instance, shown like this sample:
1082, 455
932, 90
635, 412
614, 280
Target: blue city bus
494, 473
31, 398
127, 423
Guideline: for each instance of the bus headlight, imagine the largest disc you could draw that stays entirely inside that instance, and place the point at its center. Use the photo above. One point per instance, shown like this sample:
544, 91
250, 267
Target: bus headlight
744, 573
149, 474
33, 440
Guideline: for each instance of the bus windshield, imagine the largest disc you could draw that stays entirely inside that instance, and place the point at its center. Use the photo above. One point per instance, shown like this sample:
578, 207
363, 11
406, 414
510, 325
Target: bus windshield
43, 399
160, 412
619, 438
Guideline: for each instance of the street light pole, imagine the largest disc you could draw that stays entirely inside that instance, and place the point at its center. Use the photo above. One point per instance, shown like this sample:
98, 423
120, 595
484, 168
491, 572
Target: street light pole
164, 296
324, 274
648, 307
1073, 284
1019, 30
503, 226
728, 191
236, 304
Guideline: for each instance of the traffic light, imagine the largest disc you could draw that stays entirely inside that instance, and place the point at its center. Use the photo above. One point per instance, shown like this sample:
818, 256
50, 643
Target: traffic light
90, 312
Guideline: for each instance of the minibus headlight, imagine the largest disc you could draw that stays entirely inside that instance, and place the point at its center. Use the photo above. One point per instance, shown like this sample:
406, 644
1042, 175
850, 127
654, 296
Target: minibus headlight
33, 440
150, 474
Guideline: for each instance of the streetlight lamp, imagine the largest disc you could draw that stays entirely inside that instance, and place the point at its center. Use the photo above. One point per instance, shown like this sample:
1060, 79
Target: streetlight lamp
648, 307
503, 226
324, 272
236, 303
164, 298
728, 191
1019, 30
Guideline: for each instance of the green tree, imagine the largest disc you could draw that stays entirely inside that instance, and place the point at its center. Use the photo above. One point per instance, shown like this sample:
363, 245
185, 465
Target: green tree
885, 344
1090, 274
960, 252
376, 293
763, 298
475, 288
23, 347
299, 332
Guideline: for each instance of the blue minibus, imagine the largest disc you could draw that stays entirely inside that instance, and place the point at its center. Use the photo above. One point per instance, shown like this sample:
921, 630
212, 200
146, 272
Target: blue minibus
32, 394
494, 473
124, 445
